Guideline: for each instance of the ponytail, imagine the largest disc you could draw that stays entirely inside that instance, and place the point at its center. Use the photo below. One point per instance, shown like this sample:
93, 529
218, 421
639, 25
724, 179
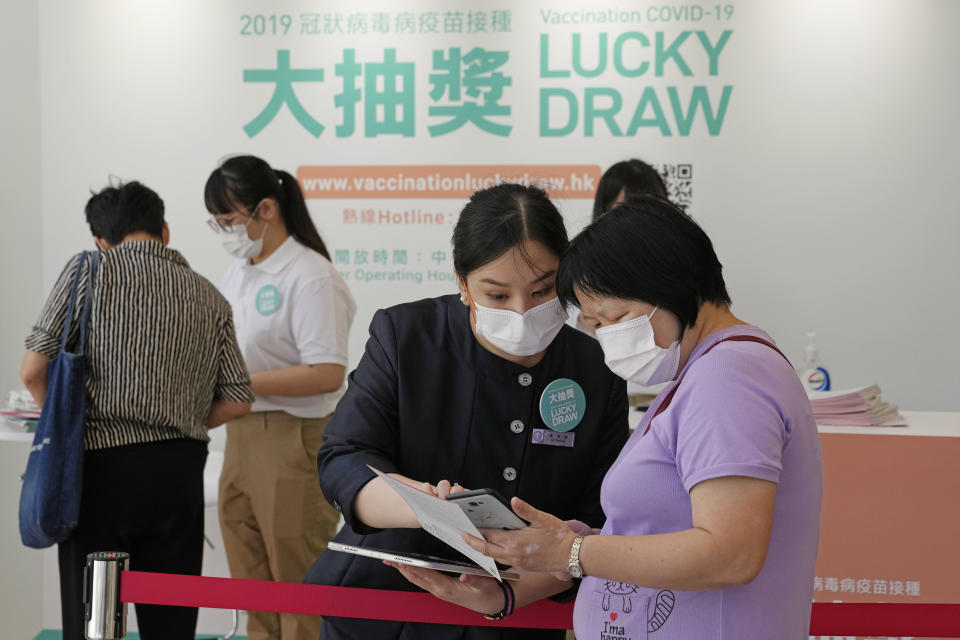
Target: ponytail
247, 180
296, 215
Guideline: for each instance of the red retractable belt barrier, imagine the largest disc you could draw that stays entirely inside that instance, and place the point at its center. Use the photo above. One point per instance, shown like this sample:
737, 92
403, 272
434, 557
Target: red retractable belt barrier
828, 619
344, 602
885, 619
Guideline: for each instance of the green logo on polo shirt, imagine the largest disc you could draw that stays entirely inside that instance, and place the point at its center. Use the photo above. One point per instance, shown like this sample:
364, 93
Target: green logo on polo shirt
268, 300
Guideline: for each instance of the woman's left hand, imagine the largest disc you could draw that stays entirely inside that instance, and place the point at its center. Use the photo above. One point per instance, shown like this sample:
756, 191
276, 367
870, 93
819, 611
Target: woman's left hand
482, 595
542, 546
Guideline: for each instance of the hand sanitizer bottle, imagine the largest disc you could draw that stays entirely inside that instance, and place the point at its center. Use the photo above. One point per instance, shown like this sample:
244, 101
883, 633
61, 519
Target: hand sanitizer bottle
814, 376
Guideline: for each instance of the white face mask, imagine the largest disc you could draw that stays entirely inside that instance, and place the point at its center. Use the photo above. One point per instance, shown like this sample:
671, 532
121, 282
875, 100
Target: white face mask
521, 335
238, 243
631, 353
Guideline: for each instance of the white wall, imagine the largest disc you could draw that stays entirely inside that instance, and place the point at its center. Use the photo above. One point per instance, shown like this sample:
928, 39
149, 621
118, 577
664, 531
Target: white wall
21, 243
853, 230
20, 287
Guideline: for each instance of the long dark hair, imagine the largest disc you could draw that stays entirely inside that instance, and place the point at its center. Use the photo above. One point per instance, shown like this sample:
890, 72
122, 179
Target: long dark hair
246, 180
502, 217
630, 176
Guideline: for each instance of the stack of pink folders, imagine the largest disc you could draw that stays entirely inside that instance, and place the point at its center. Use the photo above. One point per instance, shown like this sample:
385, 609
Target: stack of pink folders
854, 408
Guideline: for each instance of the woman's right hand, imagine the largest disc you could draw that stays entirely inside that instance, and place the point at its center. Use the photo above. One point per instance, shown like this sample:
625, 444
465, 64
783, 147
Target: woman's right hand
426, 487
544, 545
441, 490
482, 595
378, 505
444, 489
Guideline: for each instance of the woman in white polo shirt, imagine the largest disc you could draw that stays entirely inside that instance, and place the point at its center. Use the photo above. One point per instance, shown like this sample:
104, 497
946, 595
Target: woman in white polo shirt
292, 312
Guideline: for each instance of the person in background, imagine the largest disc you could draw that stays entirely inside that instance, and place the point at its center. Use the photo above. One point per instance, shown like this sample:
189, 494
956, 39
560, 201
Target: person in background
721, 541
624, 180
621, 181
293, 313
459, 387
163, 367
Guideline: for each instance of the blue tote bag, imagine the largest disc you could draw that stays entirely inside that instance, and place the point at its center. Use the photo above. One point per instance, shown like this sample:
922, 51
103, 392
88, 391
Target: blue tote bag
50, 497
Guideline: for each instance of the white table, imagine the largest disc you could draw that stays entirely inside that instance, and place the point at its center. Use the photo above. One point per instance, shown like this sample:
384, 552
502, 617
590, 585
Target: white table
919, 423
9, 434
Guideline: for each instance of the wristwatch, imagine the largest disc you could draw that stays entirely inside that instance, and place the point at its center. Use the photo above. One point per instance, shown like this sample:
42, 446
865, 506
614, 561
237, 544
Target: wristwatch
573, 566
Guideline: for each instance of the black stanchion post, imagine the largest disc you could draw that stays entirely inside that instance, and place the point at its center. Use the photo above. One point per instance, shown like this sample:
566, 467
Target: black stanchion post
105, 616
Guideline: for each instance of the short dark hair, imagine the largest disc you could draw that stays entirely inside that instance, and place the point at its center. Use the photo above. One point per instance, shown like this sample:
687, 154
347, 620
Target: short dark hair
645, 249
502, 217
633, 177
119, 210
244, 181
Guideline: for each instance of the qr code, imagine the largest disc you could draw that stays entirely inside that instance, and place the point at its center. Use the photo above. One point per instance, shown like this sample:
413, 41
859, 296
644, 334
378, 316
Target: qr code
679, 181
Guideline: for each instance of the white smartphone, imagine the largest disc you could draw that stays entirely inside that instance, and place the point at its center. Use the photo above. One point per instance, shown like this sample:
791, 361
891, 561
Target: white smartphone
419, 560
487, 509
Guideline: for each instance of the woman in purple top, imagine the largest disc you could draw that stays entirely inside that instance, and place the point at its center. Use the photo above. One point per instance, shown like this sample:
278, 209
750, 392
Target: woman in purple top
713, 506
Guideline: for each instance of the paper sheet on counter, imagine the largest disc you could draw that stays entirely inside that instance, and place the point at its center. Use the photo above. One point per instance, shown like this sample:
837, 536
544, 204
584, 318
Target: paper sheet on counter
442, 519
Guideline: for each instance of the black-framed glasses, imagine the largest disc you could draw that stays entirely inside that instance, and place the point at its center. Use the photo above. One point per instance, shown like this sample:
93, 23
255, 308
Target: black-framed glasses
224, 226
219, 226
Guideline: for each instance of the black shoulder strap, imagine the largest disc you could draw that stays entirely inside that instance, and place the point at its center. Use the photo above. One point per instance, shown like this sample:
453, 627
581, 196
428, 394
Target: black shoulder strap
673, 390
88, 300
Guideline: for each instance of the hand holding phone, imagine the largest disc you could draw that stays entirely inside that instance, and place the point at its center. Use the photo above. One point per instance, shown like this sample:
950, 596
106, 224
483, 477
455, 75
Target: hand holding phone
487, 509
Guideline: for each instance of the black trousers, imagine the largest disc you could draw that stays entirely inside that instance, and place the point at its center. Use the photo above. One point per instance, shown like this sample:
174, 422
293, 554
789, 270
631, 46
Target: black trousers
147, 500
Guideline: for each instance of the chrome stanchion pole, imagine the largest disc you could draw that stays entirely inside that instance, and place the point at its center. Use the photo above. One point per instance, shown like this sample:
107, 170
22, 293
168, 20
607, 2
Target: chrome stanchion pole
233, 629
105, 616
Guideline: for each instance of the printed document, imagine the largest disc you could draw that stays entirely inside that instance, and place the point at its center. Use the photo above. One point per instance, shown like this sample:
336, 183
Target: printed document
442, 519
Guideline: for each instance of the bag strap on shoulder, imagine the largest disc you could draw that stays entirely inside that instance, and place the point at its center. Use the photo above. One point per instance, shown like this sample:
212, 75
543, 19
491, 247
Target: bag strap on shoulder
92, 258
88, 300
673, 390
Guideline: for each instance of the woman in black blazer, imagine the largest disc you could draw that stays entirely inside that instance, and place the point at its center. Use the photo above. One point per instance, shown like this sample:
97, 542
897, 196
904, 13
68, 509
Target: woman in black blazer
452, 388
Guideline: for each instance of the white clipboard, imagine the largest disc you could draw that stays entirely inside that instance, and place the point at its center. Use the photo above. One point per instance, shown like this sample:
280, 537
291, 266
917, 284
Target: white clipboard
420, 560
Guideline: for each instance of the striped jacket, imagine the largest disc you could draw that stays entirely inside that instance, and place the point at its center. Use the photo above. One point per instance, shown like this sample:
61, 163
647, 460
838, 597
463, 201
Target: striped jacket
161, 346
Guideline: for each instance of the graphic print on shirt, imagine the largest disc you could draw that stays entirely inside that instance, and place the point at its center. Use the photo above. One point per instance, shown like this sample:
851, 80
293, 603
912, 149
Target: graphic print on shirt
662, 609
623, 613
268, 300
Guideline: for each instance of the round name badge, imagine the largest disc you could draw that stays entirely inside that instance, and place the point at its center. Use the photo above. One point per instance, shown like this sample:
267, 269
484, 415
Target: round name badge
562, 404
268, 300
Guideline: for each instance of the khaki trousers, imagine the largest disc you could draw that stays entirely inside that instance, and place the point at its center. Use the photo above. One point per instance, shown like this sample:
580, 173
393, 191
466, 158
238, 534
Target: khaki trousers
274, 518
